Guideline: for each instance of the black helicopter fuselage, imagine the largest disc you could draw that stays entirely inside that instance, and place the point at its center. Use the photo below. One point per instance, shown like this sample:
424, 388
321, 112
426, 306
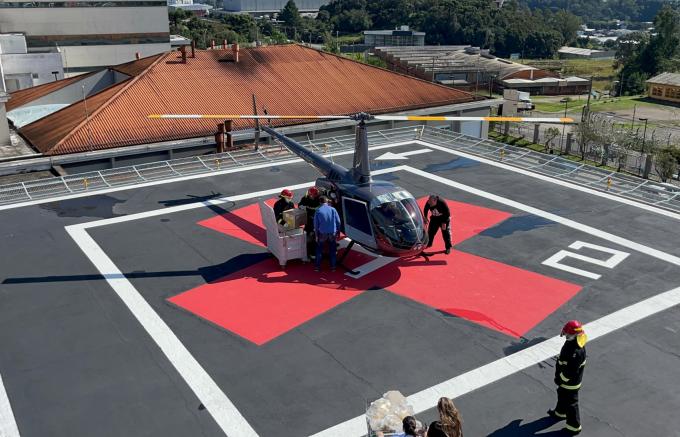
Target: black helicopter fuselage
396, 223
378, 215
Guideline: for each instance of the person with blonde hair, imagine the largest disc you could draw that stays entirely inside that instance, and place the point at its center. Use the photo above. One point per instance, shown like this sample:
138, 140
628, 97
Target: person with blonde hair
449, 423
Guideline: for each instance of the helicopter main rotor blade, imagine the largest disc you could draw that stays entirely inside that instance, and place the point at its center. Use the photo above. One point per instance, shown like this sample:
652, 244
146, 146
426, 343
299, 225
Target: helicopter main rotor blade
456, 118
251, 117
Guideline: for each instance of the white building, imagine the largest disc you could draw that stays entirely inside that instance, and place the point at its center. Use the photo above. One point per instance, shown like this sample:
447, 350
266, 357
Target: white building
90, 34
21, 69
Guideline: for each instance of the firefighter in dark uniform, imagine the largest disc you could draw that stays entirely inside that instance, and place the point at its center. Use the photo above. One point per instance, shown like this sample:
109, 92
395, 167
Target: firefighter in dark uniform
440, 218
568, 375
311, 203
284, 203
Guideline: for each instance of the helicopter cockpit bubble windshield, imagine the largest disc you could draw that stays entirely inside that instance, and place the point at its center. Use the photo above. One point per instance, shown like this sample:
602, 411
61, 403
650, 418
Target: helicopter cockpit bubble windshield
397, 219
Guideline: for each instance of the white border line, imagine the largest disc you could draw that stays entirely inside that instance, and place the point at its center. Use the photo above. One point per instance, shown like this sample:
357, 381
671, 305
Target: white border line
553, 180
503, 367
8, 426
187, 178
223, 410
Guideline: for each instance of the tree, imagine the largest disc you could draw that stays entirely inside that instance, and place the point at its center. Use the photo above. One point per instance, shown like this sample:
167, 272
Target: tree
550, 134
665, 164
566, 24
586, 134
290, 15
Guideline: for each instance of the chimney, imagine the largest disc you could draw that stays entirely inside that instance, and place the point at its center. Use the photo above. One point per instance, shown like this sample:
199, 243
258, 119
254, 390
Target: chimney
230, 139
193, 48
219, 137
137, 55
183, 49
212, 44
224, 44
234, 50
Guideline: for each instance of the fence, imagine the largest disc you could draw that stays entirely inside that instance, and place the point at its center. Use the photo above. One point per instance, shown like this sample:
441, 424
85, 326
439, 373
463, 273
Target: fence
624, 160
647, 191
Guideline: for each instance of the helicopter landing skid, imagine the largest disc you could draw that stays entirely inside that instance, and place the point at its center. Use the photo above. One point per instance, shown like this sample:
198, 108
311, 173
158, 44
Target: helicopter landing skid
344, 255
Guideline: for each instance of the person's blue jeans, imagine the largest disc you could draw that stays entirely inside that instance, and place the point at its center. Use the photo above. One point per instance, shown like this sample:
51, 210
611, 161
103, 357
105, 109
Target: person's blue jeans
332, 249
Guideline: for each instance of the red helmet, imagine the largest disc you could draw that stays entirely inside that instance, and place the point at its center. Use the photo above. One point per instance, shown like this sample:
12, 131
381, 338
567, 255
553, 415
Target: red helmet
572, 327
286, 193
313, 191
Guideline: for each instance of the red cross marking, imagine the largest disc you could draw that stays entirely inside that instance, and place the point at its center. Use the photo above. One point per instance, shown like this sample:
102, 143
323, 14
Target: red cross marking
261, 302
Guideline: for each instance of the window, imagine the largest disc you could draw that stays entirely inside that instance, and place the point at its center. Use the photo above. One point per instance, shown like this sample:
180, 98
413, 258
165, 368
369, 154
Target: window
35, 75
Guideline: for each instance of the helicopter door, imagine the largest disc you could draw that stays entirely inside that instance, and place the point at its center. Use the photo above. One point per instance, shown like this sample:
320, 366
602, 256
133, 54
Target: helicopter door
357, 222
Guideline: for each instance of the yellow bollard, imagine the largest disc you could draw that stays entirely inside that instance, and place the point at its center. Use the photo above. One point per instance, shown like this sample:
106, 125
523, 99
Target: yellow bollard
502, 153
609, 183
326, 148
217, 163
85, 183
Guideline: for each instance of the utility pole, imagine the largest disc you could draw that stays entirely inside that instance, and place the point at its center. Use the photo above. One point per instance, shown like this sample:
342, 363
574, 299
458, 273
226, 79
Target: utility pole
632, 126
621, 85
590, 91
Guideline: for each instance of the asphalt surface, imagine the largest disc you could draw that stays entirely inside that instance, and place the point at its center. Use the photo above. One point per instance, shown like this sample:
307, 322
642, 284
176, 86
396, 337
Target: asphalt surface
75, 361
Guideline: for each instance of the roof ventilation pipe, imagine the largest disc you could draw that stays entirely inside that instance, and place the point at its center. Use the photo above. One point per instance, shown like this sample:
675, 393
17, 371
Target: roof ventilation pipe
137, 55
234, 50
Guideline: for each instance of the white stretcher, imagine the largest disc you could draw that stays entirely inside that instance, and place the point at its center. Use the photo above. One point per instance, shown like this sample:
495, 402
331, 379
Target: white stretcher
283, 244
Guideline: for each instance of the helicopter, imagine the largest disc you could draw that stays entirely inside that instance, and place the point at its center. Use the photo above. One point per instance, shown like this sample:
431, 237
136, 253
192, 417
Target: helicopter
378, 215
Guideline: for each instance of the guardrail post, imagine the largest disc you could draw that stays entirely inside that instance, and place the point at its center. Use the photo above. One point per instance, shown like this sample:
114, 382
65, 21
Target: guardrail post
536, 132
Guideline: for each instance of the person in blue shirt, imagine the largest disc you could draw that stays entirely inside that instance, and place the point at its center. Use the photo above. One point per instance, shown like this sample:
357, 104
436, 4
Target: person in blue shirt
326, 229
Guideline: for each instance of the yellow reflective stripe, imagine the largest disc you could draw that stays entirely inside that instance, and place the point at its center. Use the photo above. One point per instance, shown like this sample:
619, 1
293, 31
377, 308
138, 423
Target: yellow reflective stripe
562, 363
426, 118
571, 387
583, 363
573, 428
564, 378
560, 414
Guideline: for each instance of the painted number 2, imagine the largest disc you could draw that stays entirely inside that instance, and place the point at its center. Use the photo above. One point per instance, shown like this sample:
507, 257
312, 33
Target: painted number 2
555, 261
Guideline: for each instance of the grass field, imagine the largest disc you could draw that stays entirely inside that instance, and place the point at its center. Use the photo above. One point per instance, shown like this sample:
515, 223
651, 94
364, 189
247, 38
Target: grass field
601, 70
552, 104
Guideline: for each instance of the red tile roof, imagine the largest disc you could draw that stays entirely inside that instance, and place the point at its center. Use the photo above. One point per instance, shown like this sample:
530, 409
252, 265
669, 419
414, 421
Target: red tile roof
287, 79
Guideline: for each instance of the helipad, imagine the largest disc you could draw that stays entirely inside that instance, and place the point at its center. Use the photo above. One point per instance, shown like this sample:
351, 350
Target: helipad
155, 310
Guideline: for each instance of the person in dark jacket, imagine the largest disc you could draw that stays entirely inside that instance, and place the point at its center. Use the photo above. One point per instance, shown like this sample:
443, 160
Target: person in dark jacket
284, 203
310, 202
568, 376
440, 218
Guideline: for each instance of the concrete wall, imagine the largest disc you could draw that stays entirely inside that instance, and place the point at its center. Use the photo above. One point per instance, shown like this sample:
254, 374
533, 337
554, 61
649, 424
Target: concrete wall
271, 5
74, 92
12, 43
34, 68
97, 28
77, 59
85, 21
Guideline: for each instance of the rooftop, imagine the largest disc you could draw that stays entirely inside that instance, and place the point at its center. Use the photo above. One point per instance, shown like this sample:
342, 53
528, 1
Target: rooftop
288, 79
666, 79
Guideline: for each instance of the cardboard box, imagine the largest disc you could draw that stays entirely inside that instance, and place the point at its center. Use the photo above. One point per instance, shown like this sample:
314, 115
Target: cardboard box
294, 218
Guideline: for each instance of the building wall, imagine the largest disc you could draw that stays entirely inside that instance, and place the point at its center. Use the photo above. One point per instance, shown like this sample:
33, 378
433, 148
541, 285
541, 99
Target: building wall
669, 93
92, 36
271, 5
380, 40
78, 60
31, 69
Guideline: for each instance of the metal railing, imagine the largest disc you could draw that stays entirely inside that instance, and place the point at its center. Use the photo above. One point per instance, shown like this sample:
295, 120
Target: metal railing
196, 165
646, 191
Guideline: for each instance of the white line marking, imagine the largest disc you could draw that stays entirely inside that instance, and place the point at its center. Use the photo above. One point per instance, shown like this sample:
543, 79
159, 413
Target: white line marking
553, 180
402, 155
506, 366
220, 201
655, 253
190, 177
8, 426
228, 418
616, 257
514, 363
357, 425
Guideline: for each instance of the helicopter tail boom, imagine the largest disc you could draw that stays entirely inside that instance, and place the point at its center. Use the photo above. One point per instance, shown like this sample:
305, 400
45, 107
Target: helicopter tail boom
332, 171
